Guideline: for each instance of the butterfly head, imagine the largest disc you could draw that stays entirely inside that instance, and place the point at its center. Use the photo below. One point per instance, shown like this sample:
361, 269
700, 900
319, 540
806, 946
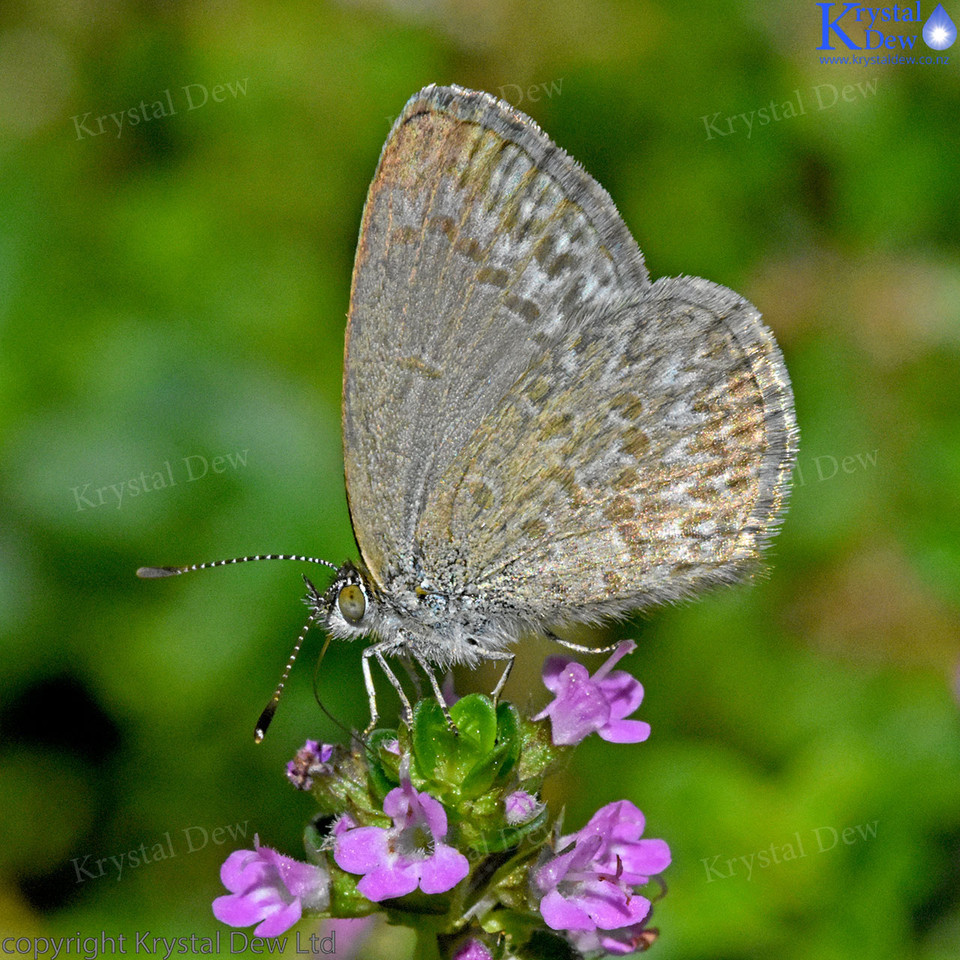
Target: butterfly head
349, 607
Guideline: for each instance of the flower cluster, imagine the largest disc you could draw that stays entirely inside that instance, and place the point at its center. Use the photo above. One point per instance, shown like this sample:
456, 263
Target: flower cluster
587, 888
442, 827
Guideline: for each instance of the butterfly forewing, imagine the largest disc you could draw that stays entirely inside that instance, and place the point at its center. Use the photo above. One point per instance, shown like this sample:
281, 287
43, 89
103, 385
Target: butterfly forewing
482, 243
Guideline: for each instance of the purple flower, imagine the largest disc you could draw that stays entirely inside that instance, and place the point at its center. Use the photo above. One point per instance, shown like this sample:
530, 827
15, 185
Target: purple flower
633, 939
520, 807
472, 950
620, 825
310, 761
589, 884
450, 695
396, 860
585, 704
577, 895
269, 889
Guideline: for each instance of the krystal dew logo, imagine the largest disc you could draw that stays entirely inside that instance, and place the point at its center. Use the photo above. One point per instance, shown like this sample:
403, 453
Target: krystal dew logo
938, 32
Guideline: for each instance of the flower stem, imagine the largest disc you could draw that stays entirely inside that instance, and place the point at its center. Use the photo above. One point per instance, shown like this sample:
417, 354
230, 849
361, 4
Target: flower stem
427, 947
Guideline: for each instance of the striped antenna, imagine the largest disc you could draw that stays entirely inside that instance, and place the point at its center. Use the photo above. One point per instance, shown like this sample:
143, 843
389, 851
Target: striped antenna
146, 573
271, 708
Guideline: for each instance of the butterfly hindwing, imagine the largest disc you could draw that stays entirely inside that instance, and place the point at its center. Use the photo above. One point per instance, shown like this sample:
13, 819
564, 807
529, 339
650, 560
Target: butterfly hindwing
650, 447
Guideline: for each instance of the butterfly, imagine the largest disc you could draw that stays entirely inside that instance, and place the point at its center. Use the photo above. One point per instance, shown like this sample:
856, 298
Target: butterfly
535, 433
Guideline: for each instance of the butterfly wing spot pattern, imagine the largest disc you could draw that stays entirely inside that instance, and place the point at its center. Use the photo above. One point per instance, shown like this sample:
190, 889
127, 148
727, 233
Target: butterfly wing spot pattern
535, 433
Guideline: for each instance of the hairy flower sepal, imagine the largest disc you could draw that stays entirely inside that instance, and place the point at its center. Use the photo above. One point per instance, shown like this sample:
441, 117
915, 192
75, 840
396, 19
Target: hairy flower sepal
382, 752
468, 759
347, 784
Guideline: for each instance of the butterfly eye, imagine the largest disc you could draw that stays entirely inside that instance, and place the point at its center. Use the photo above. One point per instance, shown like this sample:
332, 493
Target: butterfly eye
352, 603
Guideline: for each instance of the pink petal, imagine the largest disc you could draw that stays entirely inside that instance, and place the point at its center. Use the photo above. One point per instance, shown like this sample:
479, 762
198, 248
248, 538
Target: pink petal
236, 910
444, 870
620, 820
610, 906
387, 881
396, 804
300, 879
361, 849
279, 921
242, 870
553, 667
560, 914
435, 815
645, 858
624, 693
624, 731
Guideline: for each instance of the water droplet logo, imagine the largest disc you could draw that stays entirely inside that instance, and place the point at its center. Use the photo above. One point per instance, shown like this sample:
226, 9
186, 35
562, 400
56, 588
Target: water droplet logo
939, 32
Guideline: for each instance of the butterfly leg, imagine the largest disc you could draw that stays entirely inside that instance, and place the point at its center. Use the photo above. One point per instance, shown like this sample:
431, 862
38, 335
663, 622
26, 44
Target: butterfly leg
375, 651
502, 682
437, 692
371, 691
579, 647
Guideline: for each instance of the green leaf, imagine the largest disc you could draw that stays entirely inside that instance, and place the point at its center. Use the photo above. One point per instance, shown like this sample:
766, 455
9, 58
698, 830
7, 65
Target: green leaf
506, 837
382, 771
508, 736
431, 738
345, 899
449, 755
481, 778
476, 722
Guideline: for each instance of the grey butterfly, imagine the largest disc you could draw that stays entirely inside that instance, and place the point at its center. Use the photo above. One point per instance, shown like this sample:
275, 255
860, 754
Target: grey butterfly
535, 434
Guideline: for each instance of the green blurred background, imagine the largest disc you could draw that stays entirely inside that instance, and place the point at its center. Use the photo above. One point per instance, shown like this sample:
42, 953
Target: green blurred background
176, 291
